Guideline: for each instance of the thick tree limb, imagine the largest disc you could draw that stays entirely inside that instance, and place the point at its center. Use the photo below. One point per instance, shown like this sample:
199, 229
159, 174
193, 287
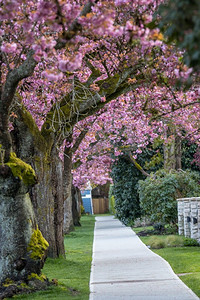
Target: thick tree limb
25, 70
73, 109
138, 166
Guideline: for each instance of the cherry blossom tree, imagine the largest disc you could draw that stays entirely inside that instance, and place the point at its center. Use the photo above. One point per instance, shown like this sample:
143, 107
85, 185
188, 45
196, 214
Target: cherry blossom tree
62, 62
132, 123
99, 79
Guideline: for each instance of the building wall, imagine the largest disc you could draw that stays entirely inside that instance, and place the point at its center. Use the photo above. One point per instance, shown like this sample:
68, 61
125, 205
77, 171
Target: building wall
87, 201
189, 217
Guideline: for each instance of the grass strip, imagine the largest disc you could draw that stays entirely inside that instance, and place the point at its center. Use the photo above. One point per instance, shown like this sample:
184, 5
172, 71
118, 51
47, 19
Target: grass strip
72, 273
184, 260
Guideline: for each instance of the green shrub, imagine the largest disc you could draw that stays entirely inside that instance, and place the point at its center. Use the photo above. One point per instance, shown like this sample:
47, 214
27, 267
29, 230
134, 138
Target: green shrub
159, 227
171, 229
82, 210
111, 200
156, 242
125, 178
158, 193
188, 242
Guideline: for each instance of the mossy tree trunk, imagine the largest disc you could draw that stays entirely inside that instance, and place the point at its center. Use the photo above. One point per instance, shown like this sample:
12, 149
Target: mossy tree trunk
18, 257
42, 196
47, 196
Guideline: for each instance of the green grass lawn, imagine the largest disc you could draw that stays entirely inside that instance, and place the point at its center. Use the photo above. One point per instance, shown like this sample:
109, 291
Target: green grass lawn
72, 273
183, 260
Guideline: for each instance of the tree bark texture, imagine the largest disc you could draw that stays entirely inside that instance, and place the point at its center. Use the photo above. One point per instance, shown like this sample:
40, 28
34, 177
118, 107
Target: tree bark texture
67, 186
58, 196
5, 138
76, 205
172, 150
47, 195
17, 225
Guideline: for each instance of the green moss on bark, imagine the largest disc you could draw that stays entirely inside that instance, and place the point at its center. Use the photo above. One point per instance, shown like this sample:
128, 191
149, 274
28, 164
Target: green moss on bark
39, 140
36, 276
109, 85
38, 245
21, 170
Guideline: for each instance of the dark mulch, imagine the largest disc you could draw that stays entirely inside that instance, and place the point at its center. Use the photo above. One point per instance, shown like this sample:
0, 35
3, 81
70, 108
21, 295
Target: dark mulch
166, 231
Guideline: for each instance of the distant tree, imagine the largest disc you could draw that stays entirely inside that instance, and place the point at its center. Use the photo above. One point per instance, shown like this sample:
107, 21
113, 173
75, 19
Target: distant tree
126, 175
125, 178
180, 24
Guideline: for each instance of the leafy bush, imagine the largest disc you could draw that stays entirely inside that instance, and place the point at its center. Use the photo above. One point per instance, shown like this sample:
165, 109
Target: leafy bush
159, 227
111, 200
188, 153
125, 178
171, 229
125, 184
188, 242
158, 193
82, 210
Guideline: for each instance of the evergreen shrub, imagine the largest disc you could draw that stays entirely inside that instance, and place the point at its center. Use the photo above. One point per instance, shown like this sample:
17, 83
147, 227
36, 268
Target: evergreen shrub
125, 178
189, 242
158, 193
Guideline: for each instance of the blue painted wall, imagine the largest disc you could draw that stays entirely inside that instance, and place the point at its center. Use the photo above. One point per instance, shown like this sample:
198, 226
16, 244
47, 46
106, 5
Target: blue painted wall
87, 201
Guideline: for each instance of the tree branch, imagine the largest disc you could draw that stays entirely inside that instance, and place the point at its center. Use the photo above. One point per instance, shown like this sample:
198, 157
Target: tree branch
79, 140
95, 72
138, 166
75, 26
25, 70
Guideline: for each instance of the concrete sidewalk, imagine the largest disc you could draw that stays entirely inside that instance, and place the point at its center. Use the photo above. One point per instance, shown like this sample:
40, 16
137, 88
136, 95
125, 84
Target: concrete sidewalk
124, 268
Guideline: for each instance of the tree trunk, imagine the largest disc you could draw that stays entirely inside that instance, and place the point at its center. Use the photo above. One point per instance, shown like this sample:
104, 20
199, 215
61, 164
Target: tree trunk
47, 195
22, 247
169, 150
172, 150
58, 196
67, 185
76, 205
178, 152
43, 201
5, 138
47, 199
